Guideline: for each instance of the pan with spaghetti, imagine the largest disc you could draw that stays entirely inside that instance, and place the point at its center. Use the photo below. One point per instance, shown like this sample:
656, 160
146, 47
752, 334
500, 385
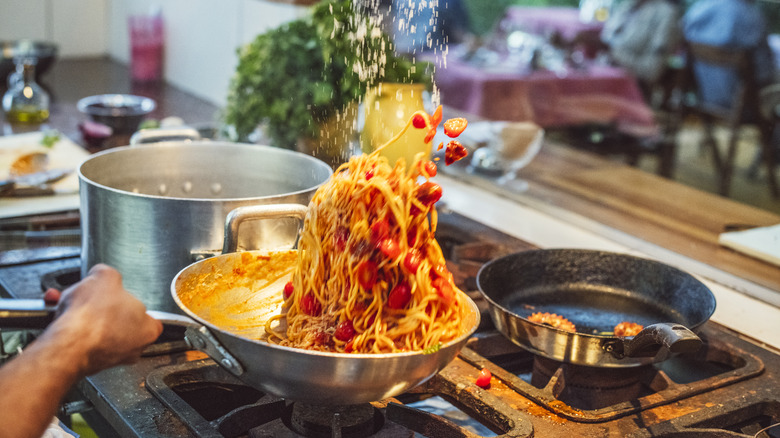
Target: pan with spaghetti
363, 310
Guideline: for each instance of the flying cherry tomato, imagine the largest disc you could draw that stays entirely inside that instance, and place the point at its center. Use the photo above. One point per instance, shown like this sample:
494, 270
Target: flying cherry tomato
310, 305
455, 151
344, 331
288, 289
418, 121
483, 381
429, 193
454, 127
412, 260
399, 296
367, 273
389, 248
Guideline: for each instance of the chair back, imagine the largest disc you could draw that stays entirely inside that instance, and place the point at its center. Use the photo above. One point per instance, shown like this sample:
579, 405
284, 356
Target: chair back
744, 104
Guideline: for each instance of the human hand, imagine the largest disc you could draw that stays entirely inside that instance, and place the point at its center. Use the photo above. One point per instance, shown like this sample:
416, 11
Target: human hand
102, 322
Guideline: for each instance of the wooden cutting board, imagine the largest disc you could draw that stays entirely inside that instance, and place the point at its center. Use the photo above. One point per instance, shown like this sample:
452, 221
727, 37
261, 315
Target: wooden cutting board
63, 154
762, 242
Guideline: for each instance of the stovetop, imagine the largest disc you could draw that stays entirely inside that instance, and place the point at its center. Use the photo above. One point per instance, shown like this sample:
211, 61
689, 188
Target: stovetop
730, 388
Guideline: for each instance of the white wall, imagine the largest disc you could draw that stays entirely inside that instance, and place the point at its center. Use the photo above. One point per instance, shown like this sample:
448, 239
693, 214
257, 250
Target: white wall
78, 26
201, 39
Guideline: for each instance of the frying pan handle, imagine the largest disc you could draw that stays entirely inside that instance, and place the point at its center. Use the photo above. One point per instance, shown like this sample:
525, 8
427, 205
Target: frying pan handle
25, 313
675, 338
200, 338
255, 212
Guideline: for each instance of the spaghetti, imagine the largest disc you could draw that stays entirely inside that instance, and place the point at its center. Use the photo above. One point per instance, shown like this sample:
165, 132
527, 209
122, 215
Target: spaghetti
370, 277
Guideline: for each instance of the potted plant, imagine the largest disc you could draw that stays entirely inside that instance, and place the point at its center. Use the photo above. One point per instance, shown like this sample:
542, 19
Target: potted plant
307, 76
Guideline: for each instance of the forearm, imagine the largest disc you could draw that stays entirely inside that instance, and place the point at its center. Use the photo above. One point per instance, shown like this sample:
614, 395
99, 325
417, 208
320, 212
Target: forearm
34, 383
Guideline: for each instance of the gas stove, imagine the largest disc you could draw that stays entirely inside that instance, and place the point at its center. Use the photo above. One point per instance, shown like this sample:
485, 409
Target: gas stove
729, 388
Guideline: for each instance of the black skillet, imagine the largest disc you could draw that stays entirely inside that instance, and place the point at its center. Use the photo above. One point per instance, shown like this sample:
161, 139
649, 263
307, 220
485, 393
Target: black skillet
595, 290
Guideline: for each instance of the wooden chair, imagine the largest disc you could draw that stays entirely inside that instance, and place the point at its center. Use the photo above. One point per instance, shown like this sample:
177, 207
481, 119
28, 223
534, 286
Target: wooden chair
744, 110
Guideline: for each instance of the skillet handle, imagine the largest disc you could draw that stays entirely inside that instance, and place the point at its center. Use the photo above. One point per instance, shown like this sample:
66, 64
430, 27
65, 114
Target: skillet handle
674, 337
25, 313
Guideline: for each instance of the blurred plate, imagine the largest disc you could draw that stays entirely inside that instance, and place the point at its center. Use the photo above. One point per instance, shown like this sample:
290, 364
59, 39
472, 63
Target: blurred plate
63, 154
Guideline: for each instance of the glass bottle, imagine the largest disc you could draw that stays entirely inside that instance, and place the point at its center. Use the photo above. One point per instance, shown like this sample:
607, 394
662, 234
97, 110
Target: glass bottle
26, 101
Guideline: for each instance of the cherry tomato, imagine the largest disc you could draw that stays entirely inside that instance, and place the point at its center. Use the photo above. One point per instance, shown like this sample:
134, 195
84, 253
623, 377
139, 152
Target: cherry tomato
380, 230
288, 289
483, 381
430, 168
455, 151
437, 116
51, 296
418, 121
367, 273
399, 296
369, 174
348, 348
444, 290
412, 260
344, 331
321, 338
310, 305
342, 234
389, 248
429, 136
440, 271
454, 127
411, 237
429, 193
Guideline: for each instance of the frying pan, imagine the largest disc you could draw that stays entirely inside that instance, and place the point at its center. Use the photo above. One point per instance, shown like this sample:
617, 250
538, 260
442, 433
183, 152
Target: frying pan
595, 290
230, 312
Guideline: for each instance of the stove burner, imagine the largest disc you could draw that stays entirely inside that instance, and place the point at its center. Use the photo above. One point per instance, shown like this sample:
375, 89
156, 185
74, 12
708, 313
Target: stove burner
563, 388
213, 403
587, 387
315, 421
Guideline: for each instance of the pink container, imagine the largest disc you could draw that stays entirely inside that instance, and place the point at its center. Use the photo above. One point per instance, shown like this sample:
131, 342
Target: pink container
146, 47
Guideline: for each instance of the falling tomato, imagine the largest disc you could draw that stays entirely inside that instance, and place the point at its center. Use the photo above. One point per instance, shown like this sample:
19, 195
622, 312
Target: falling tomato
483, 381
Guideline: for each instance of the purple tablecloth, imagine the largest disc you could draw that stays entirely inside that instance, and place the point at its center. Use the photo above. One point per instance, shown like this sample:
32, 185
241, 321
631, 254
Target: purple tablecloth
598, 94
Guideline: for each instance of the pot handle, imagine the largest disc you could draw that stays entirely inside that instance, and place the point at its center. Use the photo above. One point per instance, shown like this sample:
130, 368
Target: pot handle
164, 134
25, 313
255, 212
676, 338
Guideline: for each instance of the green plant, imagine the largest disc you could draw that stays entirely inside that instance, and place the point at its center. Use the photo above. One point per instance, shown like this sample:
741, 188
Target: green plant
296, 76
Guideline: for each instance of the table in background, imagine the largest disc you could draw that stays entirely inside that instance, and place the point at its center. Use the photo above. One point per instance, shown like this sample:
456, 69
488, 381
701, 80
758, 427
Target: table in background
592, 94
547, 21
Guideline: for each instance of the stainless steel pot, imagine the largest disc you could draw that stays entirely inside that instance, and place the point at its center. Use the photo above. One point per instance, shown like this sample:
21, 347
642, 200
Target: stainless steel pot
152, 209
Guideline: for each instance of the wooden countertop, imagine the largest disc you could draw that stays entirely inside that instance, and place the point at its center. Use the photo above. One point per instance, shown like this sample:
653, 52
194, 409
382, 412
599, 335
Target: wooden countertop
657, 210
660, 211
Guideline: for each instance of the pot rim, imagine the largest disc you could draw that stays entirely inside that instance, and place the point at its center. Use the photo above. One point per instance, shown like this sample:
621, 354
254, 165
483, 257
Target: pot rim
202, 144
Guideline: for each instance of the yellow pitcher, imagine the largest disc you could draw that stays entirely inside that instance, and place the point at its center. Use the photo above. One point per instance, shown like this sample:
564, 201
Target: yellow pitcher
388, 107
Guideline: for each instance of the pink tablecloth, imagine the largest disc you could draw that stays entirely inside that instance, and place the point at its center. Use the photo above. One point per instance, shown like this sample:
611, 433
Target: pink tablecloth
548, 20
599, 94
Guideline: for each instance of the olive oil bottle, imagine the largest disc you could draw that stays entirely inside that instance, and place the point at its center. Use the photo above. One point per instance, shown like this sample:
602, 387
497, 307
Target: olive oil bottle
26, 101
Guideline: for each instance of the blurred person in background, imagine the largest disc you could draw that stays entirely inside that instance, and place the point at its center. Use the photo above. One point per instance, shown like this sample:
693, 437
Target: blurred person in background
728, 23
424, 26
98, 325
737, 24
641, 35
